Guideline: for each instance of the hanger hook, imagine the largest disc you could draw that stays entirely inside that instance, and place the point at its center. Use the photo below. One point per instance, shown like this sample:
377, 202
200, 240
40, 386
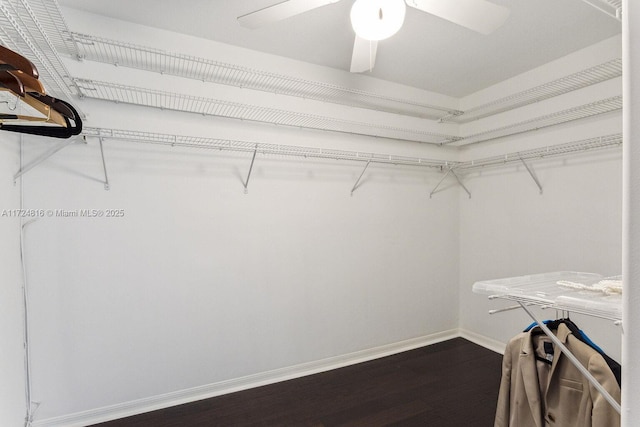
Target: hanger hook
15, 105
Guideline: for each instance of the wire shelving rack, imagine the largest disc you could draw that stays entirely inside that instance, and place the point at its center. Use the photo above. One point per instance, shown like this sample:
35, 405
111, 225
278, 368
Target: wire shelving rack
235, 110
110, 51
580, 112
552, 151
124, 54
612, 8
36, 29
261, 147
575, 81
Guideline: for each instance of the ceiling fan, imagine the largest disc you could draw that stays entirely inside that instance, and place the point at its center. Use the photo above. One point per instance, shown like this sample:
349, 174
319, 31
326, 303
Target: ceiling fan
374, 20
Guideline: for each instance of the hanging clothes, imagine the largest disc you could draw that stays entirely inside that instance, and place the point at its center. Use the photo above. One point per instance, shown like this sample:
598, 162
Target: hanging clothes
540, 387
615, 367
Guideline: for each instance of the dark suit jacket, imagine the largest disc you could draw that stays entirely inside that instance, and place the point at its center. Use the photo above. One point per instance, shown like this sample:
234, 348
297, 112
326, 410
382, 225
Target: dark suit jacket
569, 400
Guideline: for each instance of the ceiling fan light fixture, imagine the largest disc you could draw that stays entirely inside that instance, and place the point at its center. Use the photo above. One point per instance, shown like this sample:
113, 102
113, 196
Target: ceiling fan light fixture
377, 19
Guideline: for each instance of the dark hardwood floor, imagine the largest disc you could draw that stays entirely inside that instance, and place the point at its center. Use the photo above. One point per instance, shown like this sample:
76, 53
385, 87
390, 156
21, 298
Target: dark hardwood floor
449, 384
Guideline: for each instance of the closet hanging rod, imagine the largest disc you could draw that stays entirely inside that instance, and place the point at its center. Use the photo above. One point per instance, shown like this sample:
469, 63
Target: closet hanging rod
518, 306
100, 49
550, 305
260, 148
575, 147
552, 151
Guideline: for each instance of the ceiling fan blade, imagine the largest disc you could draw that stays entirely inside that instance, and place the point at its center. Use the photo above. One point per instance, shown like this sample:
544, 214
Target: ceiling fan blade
279, 11
364, 55
477, 15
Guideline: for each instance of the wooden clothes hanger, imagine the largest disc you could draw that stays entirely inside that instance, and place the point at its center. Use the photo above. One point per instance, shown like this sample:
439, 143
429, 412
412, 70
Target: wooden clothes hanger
20, 76
12, 83
12, 60
59, 107
25, 87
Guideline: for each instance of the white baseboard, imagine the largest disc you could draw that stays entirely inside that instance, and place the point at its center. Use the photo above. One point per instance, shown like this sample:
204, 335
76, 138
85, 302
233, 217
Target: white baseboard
483, 341
153, 403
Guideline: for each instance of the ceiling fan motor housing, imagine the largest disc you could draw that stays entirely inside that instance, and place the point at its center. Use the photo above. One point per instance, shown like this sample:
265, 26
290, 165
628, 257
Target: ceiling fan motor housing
377, 19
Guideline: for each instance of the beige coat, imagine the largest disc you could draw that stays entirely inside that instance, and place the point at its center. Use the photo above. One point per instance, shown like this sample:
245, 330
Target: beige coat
533, 394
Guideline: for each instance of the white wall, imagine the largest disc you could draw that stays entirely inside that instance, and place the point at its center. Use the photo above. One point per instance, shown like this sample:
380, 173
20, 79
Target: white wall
200, 283
508, 229
201, 288
12, 396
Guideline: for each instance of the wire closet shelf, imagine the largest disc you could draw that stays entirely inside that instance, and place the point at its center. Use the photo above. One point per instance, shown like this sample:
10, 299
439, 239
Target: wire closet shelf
612, 8
37, 30
235, 110
100, 49
115, 52
262, 148
591, 109
567, 149
207, 106
581, 79
552, 151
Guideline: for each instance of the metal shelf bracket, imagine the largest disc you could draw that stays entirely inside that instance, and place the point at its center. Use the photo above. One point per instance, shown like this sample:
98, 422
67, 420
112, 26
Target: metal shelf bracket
439, 183
246, 182
356, 185
44, 156
104, 166
450, 171
532, 173
461, 184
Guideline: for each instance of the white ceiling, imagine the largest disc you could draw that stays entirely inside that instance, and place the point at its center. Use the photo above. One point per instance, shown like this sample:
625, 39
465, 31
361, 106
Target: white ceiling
427, 53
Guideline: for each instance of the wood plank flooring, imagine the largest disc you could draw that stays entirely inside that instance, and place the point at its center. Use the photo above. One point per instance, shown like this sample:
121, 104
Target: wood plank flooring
449, 384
